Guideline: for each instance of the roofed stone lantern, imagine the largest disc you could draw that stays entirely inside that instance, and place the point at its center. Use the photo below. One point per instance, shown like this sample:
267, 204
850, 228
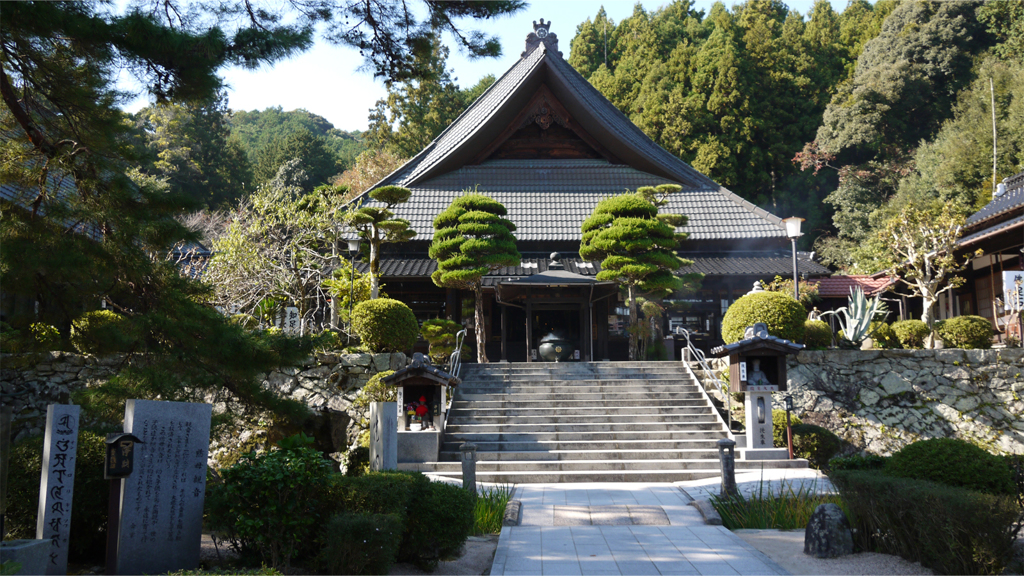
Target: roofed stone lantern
422, 405
757, 368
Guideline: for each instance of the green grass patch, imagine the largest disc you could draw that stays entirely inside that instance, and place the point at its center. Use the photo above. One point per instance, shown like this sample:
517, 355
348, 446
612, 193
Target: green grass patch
490, 508
785, 508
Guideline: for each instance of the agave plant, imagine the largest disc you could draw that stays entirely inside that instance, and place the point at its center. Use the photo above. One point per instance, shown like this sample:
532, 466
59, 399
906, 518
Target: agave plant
856, 317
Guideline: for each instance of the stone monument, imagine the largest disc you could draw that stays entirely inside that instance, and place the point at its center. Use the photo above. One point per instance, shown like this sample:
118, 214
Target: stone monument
162, 501
383, 436
57, 486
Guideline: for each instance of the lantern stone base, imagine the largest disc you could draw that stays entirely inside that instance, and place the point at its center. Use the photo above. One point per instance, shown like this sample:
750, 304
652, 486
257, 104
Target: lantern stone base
765, 454
422, 446
31, 554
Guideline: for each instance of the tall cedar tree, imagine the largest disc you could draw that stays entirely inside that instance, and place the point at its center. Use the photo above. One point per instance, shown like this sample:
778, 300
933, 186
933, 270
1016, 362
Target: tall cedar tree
377, 225
83, 231
636, 246
471, 239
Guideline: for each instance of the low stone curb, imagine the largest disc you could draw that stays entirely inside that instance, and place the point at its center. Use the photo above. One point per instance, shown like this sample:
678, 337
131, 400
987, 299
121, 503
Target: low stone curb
708, 511
513, 513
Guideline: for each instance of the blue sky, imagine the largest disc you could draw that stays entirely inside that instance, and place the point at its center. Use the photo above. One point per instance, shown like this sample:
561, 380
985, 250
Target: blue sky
326, 80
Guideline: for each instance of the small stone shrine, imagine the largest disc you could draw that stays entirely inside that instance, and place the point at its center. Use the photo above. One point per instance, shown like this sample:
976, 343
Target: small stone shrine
162, 500
757, 368
422, 405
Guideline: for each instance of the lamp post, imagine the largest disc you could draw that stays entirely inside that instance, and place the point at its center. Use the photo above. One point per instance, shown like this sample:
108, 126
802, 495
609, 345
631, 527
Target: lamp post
353, 247
793, 231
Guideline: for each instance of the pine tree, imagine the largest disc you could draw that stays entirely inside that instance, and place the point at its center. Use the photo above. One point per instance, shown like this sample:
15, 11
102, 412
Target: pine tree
377, 225
636, 246
471, 239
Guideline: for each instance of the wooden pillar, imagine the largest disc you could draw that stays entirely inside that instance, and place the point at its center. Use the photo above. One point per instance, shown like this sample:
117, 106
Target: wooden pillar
504, 332
529, 330
452, 305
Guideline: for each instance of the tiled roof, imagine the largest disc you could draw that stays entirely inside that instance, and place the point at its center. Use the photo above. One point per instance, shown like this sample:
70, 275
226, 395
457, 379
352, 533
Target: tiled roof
59, 187
1011, 199
754, 266
839, 286
715, 266
985, 232
548, 200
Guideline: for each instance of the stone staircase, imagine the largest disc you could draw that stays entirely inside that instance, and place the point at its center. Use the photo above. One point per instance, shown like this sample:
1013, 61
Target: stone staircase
584, 422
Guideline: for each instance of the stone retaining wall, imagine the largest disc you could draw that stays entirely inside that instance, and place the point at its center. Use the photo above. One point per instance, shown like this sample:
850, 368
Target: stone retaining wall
327, 383
881, 400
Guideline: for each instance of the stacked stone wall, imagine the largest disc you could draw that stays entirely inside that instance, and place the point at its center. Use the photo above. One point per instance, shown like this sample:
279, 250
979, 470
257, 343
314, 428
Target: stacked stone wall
881, 400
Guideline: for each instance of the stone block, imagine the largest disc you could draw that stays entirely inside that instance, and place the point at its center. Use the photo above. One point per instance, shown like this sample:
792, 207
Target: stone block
384, 436
57, 487
362, 360
317, 372
1012, 356
828, 533
33, 555
418, 446
381, 362
893, 384
398, 361
948, 356
869, 397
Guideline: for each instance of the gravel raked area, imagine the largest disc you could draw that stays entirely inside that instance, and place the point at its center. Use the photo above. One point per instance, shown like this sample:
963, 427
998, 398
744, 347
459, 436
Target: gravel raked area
786, 548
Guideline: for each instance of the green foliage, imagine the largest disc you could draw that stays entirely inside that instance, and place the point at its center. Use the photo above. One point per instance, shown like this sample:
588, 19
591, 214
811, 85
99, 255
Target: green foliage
784, 509
88, 534
779, 427
808, 290
356, 461
385, 325
950, 530
489, 512
884, 335
441, 334
952, 462
377, 226
440, 519
911, 333
269, 505
376, 391
313, 156
233, 571
258, 130
357, 543
10, 339
857, 317
471, 238
46, 337
857, 462
818, 445
817, 335
784, 316
102, 332
969, 332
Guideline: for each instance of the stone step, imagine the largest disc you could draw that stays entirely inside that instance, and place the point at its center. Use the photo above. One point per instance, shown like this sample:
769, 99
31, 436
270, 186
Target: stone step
602, 465
510, 403
490, 455
514, 428
583, 446
575, 376
467, 409
460, 419
528, 397
675, 433
553, 477
564, 388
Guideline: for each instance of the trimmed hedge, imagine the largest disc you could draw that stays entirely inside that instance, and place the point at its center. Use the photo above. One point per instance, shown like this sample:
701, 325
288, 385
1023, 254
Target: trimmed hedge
910, 333
818, 445
101, 332
358, 543
950, 530
784, 316
385, 325
817, 335
88, 534
953, 462
857, 462
969, 332
884, 336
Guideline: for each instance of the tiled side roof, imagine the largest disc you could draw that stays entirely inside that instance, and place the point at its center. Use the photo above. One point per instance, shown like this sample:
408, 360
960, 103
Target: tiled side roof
548, 200
985, 232
839, 286
754, 266
59, 187
1012, 198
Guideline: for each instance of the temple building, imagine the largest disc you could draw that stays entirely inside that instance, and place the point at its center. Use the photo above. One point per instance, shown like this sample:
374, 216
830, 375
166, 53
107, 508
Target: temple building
546, 144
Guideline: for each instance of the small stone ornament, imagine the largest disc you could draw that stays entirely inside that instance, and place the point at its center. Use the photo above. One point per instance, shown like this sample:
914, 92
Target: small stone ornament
828, 533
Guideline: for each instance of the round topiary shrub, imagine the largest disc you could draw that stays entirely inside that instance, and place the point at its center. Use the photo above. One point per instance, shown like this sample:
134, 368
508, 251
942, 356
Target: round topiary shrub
101, 332
817, 335
784, 316
953, 462
910, 333
385, 325
818, 445
884, 336
441, 334
966, 332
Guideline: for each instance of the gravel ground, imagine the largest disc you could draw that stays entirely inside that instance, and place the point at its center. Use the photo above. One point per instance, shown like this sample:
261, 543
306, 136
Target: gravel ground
786, 547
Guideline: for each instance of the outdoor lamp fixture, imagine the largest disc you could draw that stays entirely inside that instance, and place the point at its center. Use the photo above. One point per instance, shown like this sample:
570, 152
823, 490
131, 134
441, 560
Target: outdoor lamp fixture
793, 231
353, 248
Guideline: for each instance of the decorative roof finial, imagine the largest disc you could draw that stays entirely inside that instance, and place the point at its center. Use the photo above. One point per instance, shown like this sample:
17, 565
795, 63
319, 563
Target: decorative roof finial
541, 35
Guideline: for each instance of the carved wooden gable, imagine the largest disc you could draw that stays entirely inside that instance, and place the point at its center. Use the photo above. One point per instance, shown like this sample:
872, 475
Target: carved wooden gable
544, 130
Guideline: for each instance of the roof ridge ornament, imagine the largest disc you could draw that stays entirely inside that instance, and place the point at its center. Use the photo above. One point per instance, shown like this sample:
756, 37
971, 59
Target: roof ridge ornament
541, 35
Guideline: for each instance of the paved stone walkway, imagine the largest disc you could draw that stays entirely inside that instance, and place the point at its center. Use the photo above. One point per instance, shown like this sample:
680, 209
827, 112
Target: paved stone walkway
605, 529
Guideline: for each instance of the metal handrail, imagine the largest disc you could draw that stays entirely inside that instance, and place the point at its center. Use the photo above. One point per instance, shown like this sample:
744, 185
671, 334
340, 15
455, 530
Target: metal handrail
455, 362
709, 375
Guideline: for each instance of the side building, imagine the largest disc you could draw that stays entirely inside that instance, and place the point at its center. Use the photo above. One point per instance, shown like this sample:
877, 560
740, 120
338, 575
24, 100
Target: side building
546, 144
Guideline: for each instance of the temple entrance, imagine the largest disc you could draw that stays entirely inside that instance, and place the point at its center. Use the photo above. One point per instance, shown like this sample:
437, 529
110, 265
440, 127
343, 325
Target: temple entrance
563, 323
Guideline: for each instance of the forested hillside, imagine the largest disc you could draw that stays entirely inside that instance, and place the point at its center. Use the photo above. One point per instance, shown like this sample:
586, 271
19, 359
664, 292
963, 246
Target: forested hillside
836, 117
